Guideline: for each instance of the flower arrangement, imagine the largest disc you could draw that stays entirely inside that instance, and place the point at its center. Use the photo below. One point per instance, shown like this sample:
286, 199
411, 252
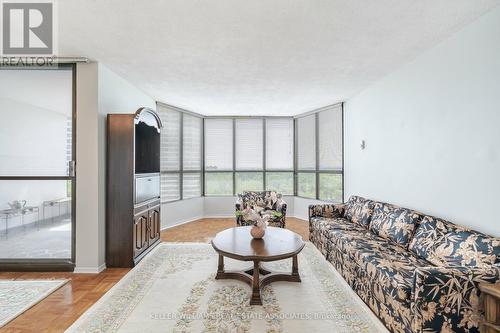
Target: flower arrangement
250, 214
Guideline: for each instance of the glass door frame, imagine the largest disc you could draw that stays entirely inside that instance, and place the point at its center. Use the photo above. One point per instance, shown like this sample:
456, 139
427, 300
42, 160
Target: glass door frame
47, 264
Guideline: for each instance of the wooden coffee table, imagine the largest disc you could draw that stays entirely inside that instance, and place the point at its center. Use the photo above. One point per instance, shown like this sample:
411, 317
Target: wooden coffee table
277, 244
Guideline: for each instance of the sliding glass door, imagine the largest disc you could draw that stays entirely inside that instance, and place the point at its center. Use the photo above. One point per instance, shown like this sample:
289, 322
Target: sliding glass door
37, 175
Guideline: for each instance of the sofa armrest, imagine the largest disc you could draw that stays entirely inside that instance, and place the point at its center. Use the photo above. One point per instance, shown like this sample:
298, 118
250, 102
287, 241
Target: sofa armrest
238, 204
238, 207
281, 206
447, 298
326, 210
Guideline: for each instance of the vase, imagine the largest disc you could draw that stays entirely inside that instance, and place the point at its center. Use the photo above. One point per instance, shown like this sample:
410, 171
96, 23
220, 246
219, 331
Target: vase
257, 232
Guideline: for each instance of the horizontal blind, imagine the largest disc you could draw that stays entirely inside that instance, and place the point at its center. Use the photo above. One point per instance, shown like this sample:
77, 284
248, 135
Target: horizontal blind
306, 145
191, 133
191, 185
218, 144
170, 186
330, 139
249, 144
279, 144
170, 153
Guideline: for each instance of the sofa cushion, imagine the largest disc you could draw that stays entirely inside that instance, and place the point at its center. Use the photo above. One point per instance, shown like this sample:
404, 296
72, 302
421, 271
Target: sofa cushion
394, 223
443, 243
263, 199
320, 230
359, 210
389, 265
326, 223
394, 314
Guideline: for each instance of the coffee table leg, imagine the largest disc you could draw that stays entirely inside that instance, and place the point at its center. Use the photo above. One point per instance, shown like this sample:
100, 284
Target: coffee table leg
295, 269
255, 300
220, 267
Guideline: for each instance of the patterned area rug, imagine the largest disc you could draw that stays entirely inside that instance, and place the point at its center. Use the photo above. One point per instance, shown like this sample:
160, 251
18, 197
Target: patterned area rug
17, 296
173, 290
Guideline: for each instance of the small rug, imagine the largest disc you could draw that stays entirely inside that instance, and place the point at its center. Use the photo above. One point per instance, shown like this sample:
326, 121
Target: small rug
17, 296
173, 290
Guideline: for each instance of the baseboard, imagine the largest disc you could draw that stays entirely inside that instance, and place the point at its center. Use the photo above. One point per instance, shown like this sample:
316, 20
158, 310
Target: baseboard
220, 216
90, 270
306, 218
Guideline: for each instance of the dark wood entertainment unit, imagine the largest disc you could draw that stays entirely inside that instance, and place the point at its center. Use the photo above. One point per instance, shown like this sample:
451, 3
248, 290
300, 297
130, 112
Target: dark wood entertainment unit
133, 212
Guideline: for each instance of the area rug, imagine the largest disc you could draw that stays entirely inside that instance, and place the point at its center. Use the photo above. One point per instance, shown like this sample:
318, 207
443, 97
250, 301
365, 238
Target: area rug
173, 290
17, 296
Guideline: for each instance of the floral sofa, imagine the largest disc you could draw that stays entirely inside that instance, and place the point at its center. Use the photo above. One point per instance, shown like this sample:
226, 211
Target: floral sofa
263, 202
417, 273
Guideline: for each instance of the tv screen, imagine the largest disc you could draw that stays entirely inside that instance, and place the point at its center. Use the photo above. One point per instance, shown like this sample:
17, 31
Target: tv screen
147, 144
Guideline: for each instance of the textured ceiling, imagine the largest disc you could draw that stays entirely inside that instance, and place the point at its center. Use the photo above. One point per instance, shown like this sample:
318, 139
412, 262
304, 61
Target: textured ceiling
260, 57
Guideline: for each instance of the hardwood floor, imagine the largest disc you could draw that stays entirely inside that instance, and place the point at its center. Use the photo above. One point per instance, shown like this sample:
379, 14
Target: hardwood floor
59, 310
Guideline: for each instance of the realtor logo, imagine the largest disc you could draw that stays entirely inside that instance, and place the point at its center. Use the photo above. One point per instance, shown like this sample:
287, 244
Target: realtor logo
27, 28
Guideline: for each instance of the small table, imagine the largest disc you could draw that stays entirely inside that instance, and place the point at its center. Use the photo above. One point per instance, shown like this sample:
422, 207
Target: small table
491, 299
277, 244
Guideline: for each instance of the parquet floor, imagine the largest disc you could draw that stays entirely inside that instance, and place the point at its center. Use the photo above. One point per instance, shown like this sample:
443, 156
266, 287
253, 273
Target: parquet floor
59, 310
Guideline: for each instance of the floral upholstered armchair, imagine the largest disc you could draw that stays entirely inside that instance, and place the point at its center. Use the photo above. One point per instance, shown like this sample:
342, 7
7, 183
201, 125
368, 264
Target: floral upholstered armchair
263, 202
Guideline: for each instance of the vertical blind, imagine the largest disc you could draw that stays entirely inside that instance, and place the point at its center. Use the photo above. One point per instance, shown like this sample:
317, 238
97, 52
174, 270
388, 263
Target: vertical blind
218, 144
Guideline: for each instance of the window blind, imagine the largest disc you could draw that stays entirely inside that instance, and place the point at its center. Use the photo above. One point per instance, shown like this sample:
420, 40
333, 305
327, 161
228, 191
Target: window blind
170, 153
279, 144
249, 144
191, 133
306, 146
218, 144
330, 139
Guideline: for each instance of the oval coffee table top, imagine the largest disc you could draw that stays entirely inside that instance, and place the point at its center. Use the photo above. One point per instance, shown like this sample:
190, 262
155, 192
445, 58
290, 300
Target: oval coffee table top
277, 244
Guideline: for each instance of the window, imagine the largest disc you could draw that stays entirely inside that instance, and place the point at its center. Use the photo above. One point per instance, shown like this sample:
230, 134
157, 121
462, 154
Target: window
306, 183
228, 155
219, 183
330, 187
37, 183
320, 155
181, 154
249, 181
281, 182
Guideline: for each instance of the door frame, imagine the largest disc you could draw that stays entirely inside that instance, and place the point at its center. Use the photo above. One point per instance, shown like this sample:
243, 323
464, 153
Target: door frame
47, 264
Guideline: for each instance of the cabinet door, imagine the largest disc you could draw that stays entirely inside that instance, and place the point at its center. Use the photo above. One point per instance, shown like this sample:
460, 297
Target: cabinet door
141, 233
154, 226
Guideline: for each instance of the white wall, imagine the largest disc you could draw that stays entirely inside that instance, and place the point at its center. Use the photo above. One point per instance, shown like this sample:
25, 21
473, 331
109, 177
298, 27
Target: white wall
301, 209
99, 92
88, 227
178, 212
432, 131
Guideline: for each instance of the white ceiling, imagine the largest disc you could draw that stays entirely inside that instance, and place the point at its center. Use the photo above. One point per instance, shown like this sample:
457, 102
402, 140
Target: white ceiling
259, 57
